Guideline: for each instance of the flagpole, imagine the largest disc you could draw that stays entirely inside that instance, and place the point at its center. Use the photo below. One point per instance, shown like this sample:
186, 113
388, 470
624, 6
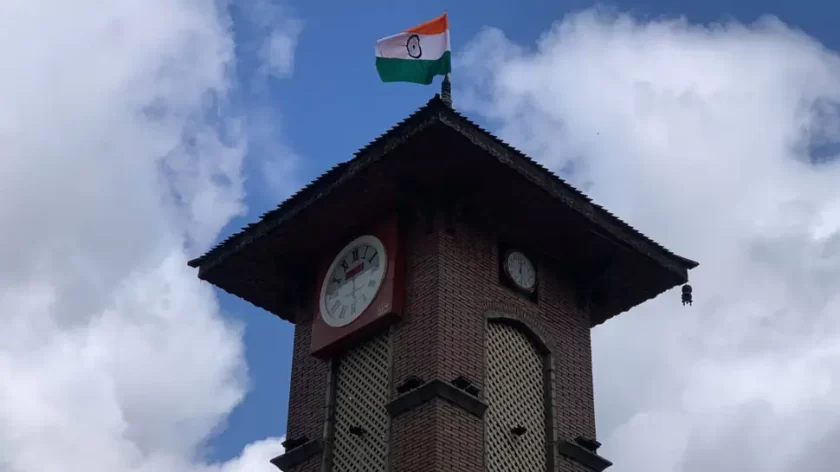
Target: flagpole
446, 90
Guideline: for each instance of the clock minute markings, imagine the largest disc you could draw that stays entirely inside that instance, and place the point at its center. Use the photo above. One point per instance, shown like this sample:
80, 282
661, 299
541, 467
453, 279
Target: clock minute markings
344, 298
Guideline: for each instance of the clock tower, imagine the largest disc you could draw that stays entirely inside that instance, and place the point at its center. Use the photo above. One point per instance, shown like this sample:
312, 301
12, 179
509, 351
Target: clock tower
443, 287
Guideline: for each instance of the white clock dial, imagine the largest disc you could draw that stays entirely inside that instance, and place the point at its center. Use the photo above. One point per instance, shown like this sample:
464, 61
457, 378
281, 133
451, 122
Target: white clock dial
521, 270
353, 280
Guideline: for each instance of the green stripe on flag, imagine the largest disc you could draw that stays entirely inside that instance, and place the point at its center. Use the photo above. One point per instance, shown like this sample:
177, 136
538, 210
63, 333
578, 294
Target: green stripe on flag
411, 70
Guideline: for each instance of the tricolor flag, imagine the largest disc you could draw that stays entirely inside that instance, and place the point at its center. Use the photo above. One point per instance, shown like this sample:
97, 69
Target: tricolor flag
417, 54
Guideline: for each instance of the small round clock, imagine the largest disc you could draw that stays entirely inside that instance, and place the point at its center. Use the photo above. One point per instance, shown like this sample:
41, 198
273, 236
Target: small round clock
520, 270
353, 280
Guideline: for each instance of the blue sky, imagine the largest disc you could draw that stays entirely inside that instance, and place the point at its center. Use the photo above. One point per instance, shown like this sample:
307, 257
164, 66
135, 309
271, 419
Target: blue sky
333, 104
137, 133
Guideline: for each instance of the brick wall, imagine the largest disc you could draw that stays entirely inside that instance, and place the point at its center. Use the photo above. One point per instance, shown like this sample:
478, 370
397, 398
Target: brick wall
308, 389
416, 339
452, 282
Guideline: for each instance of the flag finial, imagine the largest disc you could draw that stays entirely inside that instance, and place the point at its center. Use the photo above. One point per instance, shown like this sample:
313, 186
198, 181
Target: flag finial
446, 90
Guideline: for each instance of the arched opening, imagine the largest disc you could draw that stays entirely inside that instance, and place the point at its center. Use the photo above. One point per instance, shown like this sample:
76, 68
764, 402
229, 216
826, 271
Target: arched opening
360, 431
517, 391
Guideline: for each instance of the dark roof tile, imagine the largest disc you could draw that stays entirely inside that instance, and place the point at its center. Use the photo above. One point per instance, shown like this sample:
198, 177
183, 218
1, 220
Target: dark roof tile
434, 108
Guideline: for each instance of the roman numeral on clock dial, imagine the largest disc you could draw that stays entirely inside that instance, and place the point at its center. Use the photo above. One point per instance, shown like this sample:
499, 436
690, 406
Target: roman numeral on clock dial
353, 280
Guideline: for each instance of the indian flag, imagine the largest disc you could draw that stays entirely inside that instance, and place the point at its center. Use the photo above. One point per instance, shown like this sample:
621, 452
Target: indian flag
417, 54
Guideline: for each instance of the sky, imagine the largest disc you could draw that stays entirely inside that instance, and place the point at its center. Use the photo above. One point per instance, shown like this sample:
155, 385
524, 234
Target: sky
136, 134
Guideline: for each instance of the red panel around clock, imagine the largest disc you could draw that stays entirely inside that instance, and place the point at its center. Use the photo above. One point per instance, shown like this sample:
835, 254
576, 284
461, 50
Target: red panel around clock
387, 304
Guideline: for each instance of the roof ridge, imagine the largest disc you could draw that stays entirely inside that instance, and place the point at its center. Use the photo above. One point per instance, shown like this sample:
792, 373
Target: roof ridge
434, 110
291, 199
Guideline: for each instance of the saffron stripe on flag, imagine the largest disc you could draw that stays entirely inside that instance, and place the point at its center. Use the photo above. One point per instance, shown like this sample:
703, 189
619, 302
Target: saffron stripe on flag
435, 26
417, 54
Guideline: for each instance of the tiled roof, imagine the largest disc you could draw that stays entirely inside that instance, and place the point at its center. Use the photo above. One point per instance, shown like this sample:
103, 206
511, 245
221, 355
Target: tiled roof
438, 111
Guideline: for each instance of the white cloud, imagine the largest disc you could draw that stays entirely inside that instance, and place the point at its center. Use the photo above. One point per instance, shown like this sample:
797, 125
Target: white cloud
255, 457
267, 136
279, 31
278, 49
119, 150
699, 136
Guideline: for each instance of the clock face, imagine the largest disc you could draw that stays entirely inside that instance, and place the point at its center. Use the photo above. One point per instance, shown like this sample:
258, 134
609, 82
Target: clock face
352, 281
520, 270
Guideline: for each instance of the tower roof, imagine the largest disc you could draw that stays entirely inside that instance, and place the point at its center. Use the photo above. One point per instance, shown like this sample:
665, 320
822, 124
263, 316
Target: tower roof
438, 152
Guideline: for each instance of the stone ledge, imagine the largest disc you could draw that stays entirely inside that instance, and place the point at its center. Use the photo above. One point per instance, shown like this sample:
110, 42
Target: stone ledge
436, 388
583, 457
294, 457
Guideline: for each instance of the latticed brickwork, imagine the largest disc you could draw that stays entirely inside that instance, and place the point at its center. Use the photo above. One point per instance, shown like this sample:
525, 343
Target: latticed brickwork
362, 389
516, 395
452, 283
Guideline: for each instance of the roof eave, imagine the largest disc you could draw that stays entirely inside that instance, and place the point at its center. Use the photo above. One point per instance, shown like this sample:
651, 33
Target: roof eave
436, 111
